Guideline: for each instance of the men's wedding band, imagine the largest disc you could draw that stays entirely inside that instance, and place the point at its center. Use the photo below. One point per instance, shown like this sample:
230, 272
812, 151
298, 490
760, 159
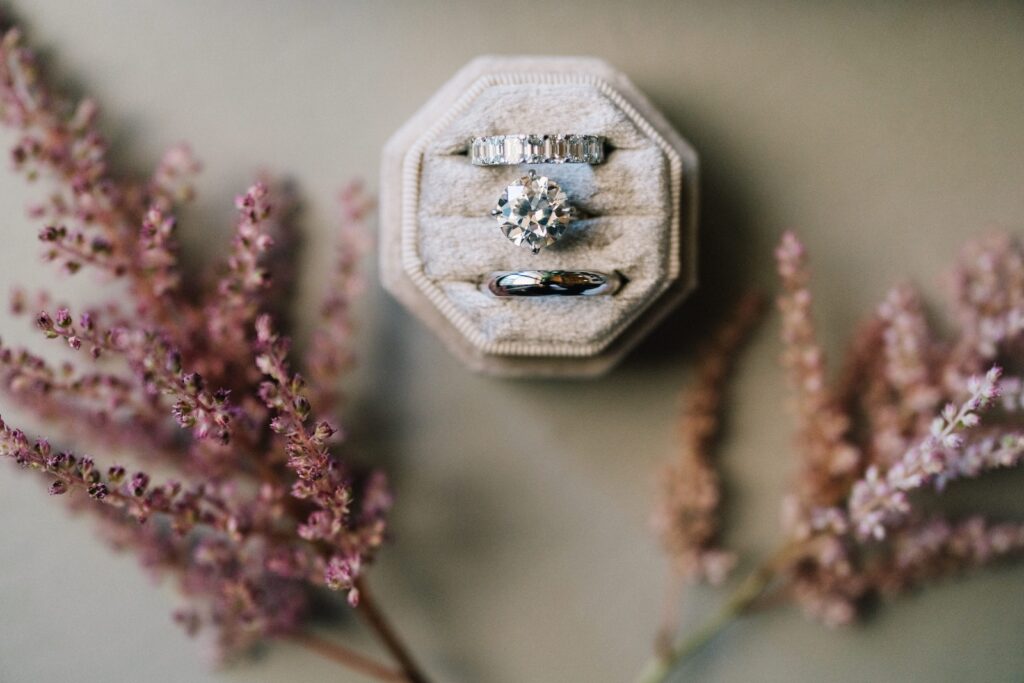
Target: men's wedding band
508, 150
553, 283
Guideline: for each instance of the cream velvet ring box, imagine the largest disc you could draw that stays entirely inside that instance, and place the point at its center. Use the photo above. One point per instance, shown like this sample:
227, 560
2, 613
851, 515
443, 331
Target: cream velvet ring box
637, 216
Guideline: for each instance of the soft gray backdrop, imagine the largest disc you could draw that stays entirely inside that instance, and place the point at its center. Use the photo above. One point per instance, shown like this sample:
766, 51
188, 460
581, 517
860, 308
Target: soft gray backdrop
886, 134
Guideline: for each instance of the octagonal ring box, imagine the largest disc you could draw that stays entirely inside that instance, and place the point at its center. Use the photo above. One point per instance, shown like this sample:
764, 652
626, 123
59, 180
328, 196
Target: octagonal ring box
638, 215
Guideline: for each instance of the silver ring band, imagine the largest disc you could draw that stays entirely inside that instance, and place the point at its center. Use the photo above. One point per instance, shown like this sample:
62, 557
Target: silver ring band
509, 150
553, 283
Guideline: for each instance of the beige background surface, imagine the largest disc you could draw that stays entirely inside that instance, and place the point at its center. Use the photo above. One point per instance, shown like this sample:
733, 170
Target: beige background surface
886, 134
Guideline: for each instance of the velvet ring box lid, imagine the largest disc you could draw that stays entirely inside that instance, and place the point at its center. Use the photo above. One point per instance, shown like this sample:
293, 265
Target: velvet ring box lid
638, 216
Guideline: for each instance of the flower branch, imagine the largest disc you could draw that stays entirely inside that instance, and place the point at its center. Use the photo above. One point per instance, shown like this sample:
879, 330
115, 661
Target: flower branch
877, 441
267, 511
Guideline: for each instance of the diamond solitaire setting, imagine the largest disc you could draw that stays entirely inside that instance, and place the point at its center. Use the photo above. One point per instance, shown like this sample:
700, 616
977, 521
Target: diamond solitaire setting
533, 212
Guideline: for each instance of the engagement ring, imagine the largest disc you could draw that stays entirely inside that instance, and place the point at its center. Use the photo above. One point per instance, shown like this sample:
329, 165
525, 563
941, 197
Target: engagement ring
533, 212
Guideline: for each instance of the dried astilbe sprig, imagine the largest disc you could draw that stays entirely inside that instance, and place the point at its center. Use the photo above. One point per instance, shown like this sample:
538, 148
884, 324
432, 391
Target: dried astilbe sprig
328, 359
194, 379
911, 412
687, 518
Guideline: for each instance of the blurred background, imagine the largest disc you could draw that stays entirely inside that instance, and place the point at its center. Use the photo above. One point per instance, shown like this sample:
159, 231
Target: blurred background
885, 134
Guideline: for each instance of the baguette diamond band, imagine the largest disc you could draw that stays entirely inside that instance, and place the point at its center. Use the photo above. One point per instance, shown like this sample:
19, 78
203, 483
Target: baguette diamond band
553, 283
509, 150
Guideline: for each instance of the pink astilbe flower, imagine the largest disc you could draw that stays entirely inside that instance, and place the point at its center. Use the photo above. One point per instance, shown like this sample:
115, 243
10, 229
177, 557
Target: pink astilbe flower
988, 298
876, 442
158, 367
895, 390
879, 500
134, 495
239, 292
92, 218
687, 519
191, 375
907, 443
908, 346
936, 548
330, 351
320, 479
158, 251
173, 181
829, 459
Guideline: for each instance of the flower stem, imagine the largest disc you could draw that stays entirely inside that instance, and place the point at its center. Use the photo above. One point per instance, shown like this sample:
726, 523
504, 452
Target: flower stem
386, 634
346, 657
746, 594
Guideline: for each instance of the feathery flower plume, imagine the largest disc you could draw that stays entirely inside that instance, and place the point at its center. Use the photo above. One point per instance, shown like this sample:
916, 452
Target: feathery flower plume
687, 517
195, 379
911, 413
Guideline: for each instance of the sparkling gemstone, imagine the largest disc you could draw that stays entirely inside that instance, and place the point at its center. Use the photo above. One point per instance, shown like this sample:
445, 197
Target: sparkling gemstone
548, 148
535, 149
479, 149
576, 149
496, 151
561, 148
533, 212
513, 150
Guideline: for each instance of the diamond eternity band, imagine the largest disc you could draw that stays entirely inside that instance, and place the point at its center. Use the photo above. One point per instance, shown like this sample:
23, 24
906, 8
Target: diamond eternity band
507, 150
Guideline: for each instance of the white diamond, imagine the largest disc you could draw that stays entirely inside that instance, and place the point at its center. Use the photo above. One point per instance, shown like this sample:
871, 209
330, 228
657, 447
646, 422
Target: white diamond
494, 152
549, 148
575, 149
533, 212
561, 148
513, 150
535, 147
